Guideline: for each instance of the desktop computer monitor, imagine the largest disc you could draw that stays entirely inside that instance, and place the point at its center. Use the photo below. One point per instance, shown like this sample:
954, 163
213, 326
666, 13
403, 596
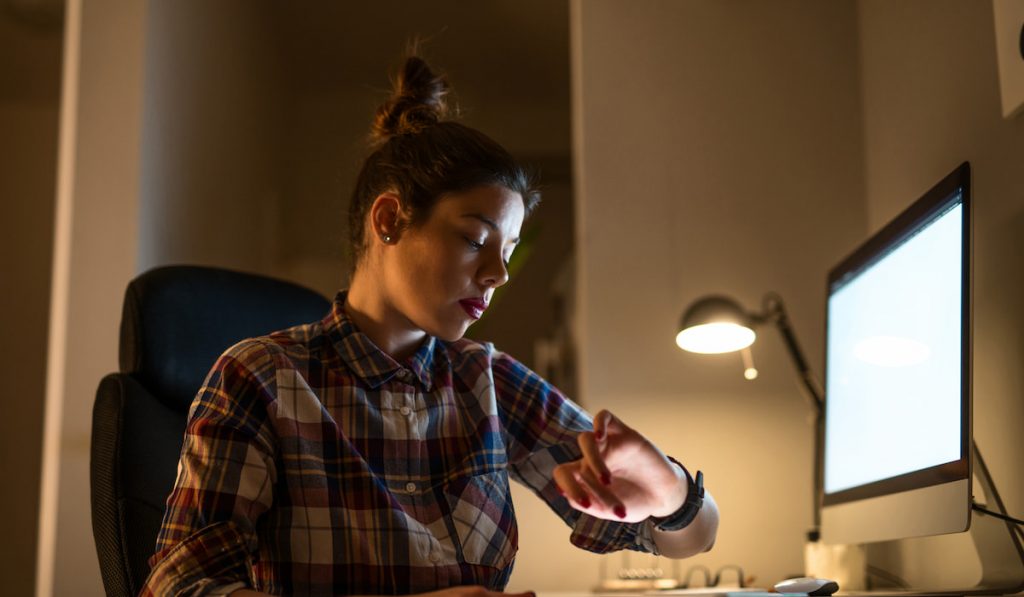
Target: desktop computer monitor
897, 448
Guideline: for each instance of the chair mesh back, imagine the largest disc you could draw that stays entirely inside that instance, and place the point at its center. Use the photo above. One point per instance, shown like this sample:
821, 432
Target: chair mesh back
176, 321
136, 442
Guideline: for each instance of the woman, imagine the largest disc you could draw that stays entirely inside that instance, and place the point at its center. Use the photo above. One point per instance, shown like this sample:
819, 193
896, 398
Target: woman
370, 452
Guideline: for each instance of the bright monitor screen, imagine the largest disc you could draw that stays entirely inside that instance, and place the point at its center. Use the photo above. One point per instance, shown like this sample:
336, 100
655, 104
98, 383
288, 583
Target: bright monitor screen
898, 372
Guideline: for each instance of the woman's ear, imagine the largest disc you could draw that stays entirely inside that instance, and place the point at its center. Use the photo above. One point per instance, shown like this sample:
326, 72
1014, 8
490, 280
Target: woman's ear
386, 217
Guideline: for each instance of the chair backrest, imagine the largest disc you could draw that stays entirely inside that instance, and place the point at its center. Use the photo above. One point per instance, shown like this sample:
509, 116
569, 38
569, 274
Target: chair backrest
177, 320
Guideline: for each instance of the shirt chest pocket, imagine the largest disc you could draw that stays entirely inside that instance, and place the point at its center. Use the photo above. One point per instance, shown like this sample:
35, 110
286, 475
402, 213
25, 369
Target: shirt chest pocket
483, 519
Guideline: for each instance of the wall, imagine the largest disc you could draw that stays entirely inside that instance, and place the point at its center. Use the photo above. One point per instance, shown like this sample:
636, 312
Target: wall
30, 46
210, 188
95, 235
718, 148
931, 101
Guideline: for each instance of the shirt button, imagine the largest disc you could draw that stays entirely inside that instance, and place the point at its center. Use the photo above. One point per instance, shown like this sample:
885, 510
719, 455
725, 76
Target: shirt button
410, 487
435, 557
403, 374
405, 410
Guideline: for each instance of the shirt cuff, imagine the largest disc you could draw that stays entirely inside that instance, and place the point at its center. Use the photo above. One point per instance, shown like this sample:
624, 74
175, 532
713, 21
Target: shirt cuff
207, 562
645, 538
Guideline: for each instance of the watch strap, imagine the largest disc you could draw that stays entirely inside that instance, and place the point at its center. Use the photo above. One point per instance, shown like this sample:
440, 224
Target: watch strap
686, 513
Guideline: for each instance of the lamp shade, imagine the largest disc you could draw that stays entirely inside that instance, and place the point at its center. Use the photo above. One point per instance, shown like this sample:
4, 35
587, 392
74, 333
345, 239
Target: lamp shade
715, 324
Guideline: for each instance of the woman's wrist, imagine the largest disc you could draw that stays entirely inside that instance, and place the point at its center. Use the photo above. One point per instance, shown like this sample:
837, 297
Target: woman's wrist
688, 511
674, 499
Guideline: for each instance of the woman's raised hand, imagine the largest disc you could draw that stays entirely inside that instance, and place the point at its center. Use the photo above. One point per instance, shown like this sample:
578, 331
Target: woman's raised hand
621, 476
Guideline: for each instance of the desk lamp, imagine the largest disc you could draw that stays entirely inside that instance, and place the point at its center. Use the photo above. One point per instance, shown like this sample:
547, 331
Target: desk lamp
717, 324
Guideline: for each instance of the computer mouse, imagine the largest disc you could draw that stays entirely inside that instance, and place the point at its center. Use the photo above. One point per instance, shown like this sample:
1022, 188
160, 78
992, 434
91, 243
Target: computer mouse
806, 585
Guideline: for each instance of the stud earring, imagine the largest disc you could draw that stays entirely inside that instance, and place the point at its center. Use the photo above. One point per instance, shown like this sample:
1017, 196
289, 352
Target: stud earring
385, 238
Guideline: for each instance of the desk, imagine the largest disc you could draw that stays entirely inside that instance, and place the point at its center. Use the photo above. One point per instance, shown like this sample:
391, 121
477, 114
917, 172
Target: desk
710, 592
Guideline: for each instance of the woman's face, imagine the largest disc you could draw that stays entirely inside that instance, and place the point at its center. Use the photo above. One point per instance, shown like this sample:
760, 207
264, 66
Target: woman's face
441, 274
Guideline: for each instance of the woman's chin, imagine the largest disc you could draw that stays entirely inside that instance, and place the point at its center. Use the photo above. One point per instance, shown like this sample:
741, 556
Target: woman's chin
453, 332
453, 335
448, 326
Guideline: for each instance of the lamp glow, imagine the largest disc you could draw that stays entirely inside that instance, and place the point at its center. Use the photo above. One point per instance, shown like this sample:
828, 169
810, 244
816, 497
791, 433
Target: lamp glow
715, 338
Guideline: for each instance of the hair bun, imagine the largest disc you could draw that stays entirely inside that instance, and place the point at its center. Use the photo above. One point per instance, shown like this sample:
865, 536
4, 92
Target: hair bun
417, 102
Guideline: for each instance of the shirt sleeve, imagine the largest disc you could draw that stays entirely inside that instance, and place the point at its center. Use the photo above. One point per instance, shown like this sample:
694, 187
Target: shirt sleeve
541, 425
225, 481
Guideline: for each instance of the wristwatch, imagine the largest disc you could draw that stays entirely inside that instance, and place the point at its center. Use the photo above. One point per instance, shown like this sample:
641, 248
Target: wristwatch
682, 517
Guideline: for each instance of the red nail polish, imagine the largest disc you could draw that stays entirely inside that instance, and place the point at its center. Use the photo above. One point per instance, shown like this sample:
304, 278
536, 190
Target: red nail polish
599, 435
585, 502
620, 511
606, 479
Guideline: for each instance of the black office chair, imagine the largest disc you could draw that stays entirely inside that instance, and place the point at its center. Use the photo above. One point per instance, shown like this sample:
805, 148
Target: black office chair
177, 320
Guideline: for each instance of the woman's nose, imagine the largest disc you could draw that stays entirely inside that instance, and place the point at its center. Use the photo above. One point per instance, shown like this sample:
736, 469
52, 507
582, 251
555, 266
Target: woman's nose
495, 272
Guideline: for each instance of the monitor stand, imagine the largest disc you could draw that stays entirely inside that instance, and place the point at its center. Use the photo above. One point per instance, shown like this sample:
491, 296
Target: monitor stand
995, 540
999, 547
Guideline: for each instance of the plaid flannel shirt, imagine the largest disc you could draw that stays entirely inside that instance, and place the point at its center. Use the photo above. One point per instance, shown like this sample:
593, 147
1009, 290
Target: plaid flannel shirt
315, 464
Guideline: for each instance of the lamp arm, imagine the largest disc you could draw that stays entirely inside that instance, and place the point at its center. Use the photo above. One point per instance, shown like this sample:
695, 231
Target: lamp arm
775, 312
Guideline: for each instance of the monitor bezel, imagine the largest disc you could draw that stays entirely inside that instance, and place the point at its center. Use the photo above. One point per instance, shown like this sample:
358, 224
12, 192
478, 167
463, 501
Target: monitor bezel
924, 209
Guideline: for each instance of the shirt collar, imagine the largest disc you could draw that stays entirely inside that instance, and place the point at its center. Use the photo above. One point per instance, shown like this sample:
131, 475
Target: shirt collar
369, 362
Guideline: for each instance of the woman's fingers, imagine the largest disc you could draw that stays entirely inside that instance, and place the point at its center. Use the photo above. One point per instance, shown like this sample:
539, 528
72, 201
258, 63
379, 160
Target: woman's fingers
592, 457
605, 501
601, 424
605, 422
565, 478
585, 492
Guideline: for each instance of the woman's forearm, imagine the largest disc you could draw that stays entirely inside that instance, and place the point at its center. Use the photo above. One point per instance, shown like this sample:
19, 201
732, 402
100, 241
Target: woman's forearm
697, 537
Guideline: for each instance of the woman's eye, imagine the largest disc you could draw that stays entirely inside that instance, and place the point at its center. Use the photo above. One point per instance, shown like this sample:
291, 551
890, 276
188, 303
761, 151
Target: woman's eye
474, 244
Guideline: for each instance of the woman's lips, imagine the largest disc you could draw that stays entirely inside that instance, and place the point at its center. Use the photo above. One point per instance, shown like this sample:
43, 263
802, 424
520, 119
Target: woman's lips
474, 307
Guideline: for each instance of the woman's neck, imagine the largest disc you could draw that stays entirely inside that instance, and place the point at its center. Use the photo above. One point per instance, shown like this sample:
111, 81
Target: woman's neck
376, 317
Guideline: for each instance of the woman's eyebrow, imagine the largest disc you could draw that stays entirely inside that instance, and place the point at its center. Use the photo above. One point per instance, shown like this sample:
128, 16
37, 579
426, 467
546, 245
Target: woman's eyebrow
490, 223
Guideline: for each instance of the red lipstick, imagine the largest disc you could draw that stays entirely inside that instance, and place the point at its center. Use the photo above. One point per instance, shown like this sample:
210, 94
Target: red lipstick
474, 307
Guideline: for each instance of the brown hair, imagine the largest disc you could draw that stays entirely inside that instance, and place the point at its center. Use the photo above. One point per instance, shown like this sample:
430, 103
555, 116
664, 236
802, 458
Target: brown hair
421, 156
